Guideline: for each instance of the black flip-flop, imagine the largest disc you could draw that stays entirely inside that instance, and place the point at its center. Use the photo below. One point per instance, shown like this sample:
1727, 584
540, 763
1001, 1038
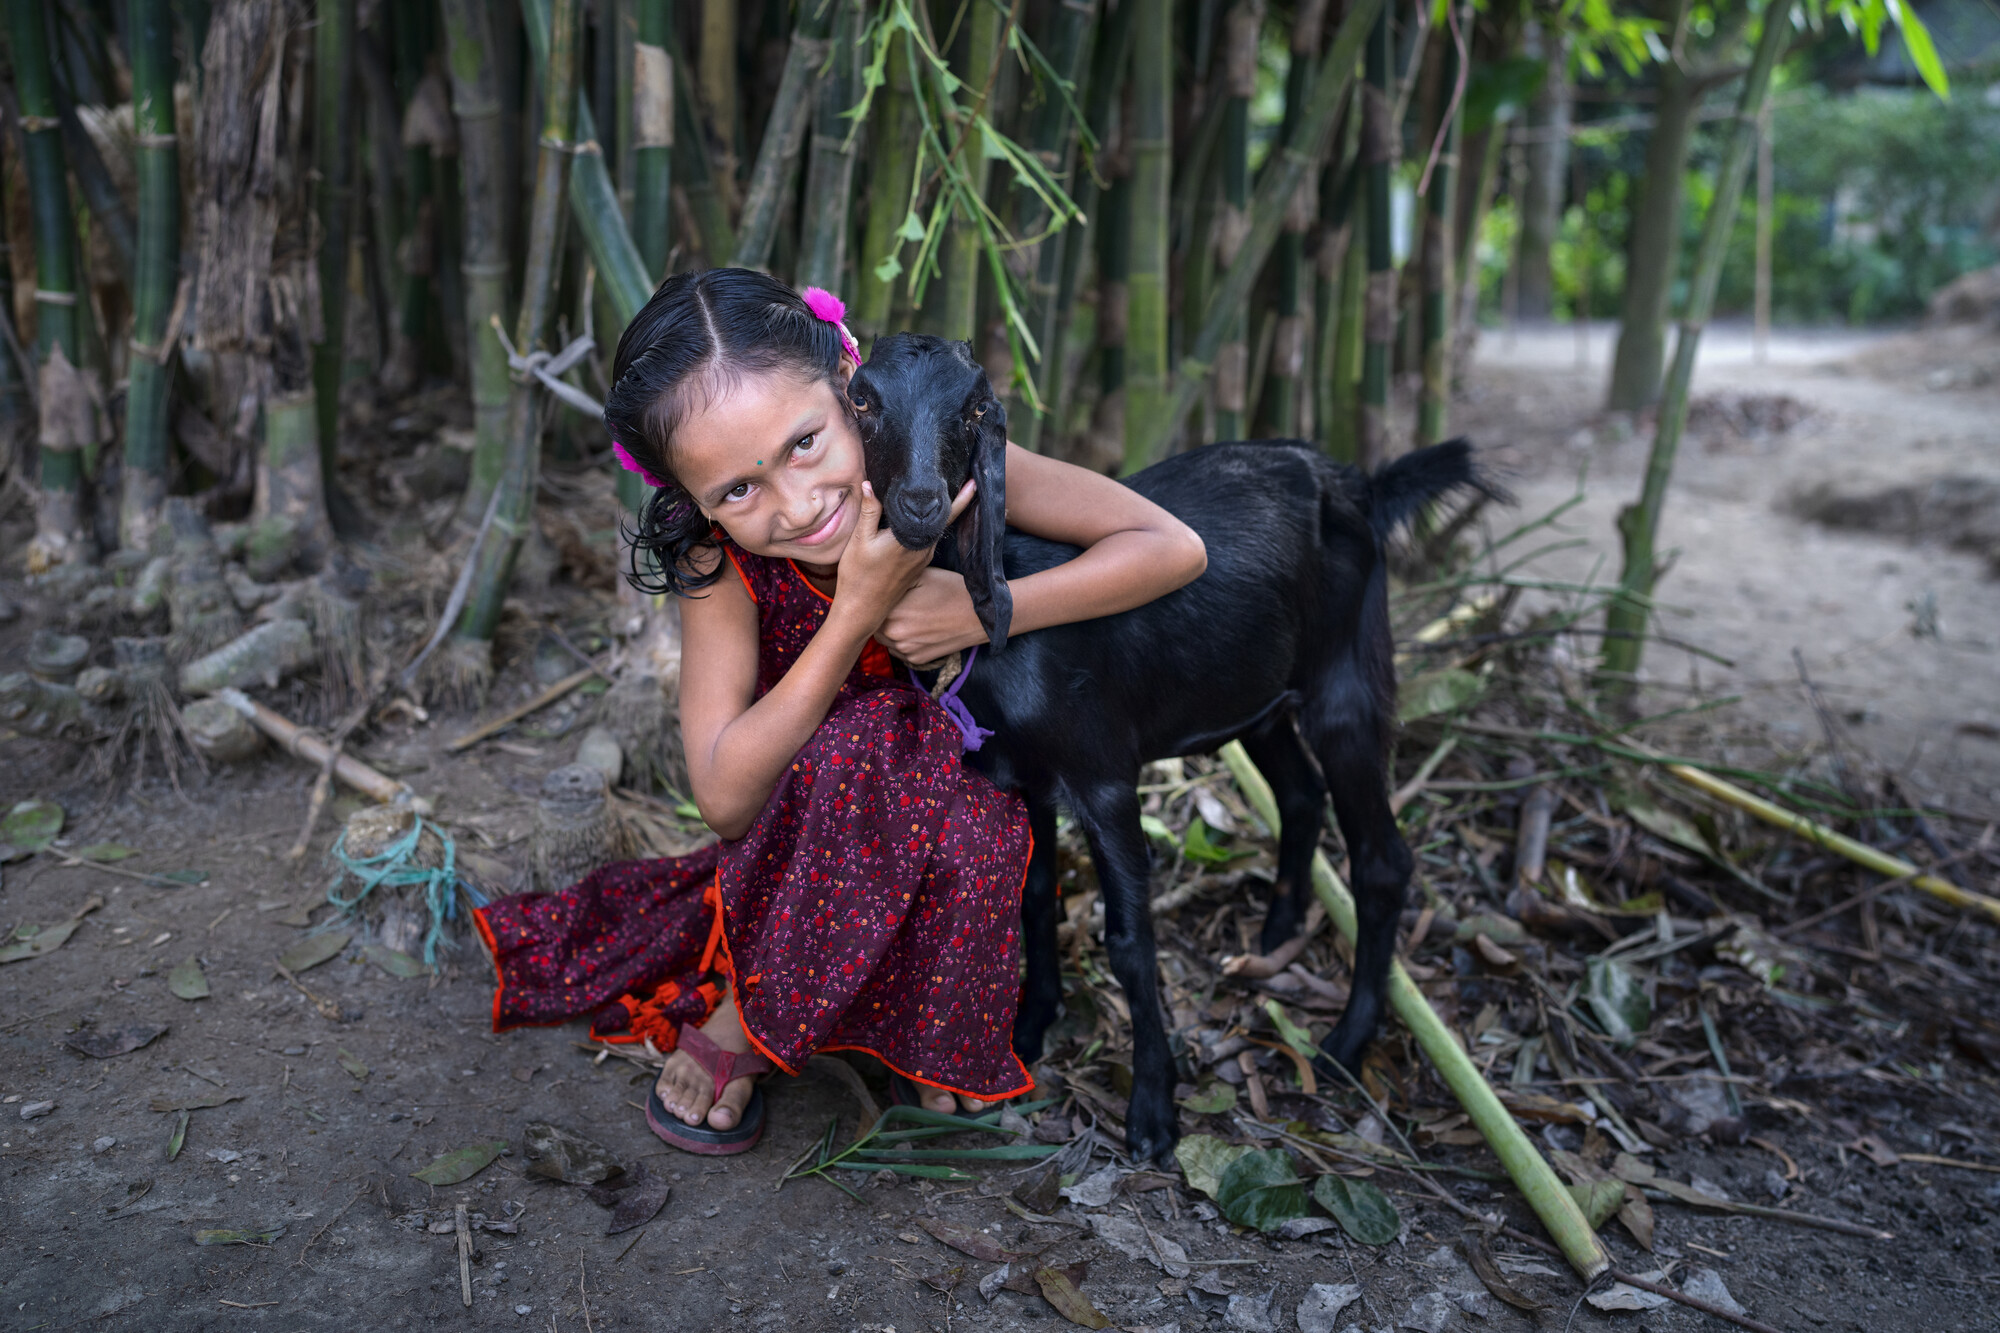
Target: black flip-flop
705, 1138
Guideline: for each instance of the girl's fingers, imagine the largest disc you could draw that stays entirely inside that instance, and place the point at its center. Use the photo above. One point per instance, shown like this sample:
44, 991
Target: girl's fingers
965, 494
871, 512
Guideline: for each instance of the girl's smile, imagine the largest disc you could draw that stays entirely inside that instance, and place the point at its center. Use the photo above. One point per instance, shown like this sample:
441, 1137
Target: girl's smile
778, 463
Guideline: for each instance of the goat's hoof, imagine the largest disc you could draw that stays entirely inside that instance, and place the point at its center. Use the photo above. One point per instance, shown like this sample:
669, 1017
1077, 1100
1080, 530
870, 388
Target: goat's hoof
1151, 1135
1344, 1050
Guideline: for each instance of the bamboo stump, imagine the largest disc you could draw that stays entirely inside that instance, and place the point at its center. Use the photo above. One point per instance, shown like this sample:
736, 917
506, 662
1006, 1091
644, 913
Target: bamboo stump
575, 830
397, 914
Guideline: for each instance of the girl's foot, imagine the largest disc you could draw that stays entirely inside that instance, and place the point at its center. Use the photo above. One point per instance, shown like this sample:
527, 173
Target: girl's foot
937, 1099
687, 1090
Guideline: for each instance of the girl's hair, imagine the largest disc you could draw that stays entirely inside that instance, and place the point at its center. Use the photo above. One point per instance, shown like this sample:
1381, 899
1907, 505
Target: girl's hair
699, 331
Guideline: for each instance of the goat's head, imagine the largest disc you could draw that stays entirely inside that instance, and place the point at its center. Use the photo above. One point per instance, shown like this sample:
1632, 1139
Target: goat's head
929, 419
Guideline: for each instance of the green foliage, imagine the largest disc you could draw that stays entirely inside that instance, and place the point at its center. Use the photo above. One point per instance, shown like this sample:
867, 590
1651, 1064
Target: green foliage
1261, 1189
1362, 1209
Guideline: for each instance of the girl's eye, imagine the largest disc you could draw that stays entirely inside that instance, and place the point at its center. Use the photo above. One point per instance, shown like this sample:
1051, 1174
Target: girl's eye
806, 444
737, 492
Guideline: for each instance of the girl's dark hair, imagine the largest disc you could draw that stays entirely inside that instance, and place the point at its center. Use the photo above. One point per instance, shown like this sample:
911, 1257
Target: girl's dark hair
699, 330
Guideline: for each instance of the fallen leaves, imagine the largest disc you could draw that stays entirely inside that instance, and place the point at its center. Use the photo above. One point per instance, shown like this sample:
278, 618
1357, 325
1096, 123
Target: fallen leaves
393, 961
559, 1154
350, 1062
187, 981
251, 1236
31, 941
313, 950
634, 1198
1362, 1209
30, 827
104, 1043
461, 1164
1261, 1189
202, 1103
1060, 1291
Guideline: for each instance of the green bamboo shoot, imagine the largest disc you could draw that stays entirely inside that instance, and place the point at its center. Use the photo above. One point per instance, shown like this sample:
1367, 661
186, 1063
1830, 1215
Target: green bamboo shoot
157, 158
60, 522
1150, 138
1639, 524
475, 100
653, 136
830, 172
470, 657
784, 133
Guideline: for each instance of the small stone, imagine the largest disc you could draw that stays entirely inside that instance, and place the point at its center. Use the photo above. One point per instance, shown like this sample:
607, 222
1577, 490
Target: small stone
1706, 1284
105, 1144
1431, 1313
524, 1309
1323, 1304
1252, 1314
295, 1050
36, 1110
1776, 1185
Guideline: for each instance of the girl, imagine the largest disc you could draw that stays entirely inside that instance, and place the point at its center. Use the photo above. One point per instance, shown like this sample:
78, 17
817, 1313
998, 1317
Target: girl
866, 894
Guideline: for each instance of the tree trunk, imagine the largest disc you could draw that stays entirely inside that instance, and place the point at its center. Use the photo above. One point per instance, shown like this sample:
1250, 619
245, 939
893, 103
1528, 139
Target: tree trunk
1232, 363
157, 155
1380, 140
1290, 166
893, 133
475, 99
958, 314
836, 143
785, 133
470, 657
1548, 173
1439, 246
1151, 190
1652, 251
1639, 524
333, 157
68, 412
653, 137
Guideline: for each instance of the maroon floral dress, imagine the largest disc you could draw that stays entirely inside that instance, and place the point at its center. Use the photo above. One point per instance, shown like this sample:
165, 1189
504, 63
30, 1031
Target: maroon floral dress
875, 904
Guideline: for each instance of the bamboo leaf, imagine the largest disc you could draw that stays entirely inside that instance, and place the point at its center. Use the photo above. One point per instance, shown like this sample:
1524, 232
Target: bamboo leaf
461, 1164
1362, 1209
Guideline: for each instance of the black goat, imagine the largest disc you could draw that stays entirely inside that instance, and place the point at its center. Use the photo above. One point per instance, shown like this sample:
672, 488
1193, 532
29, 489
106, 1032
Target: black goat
1283, 643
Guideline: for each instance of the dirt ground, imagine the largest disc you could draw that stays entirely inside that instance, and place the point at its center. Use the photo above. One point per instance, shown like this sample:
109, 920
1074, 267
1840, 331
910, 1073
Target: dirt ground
331, 1115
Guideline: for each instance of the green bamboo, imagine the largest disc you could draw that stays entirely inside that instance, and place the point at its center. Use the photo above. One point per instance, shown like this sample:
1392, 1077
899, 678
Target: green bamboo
701, 178
1439, 286
93, 179
1150, 138
1379, 141
514, 509
59, 519
157, 160
1336, 231
830, 172
784, 133
1287, 415
410, 49
652, 136
1053, 138
964, 249
1626, 617
385, 196
1232, 363
1552, 1203
718, 87
1291, 165
593, 201
624, 43
1344, 424
895, 128
333, 154
475, 100
17, 413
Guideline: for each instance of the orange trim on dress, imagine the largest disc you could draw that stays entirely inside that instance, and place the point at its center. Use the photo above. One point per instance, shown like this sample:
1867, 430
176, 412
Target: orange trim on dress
738, 566
493, 952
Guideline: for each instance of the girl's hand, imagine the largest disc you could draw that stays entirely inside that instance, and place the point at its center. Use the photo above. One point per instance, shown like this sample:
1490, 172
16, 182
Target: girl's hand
934, 618
876, 570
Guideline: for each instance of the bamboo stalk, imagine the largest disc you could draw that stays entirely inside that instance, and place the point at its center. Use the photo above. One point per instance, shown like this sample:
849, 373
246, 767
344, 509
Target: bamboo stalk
475, 100
385, 192
835, 146
1232, 363
59, 519
1380, 138
1627, 616
93, 179
652, 136
698, 174
470, 665
1291, 165
409, 51
315, 750
1531, 1174
333, 157
893, 134
963, 249
718, 83
1439, 245
157, 157
784, 133
1652, 250
1289, 400
1151, 190
1053, 137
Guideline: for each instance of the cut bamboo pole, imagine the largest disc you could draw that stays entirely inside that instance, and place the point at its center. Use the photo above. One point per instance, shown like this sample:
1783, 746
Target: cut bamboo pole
314, 750
157, 154
475, 100
1531, 1174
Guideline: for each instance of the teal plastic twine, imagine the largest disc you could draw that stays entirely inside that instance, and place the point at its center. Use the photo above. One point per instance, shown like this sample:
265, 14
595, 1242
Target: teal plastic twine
392, 867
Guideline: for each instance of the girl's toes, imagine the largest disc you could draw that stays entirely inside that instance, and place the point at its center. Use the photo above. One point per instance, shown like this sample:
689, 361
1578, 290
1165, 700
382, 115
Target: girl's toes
728, 1113
939, 1100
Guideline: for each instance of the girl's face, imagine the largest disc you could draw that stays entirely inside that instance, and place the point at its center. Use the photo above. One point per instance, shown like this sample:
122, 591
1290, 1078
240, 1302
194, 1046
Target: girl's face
777, 462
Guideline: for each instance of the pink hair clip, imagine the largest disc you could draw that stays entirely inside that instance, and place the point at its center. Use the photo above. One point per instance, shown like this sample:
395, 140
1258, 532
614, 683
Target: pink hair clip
825, 305
631, 464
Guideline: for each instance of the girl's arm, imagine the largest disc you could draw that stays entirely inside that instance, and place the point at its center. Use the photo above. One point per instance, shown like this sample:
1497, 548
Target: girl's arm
1133, 552
738, 745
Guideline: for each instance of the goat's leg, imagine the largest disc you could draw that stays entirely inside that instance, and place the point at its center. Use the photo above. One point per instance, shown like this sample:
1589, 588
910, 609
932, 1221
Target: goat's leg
1379, 865
1109, 815
1041, 910
1281, 756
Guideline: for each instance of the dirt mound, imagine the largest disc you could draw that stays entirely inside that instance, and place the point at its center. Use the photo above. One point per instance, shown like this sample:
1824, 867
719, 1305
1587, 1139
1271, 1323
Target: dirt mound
1970, 298
1737, 421
1963, 512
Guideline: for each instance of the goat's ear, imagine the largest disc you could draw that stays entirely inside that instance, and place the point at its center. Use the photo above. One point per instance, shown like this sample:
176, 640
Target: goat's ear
982, 528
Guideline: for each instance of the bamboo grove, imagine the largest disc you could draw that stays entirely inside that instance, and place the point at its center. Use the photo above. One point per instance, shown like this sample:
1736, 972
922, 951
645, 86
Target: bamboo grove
1157, 222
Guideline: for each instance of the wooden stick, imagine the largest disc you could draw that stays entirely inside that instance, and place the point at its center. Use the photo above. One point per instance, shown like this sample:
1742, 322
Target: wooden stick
314, 750
323, 784
464, 1254
513, 715
1530, 1172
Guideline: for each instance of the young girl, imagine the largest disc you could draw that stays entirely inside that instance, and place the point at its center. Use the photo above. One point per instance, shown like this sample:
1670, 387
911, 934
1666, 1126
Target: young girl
866, 894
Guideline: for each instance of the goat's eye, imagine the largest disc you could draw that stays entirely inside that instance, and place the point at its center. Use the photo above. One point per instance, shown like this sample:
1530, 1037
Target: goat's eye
979, 411
860, 403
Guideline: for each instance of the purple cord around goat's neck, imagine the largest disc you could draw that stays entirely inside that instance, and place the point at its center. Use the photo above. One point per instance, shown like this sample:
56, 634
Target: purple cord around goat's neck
970, 732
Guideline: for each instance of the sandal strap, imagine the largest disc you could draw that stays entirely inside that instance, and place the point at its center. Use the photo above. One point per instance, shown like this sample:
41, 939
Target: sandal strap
724, 1067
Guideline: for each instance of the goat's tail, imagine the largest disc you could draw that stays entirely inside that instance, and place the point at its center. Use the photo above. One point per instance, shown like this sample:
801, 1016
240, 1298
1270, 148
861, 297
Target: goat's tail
1399, 489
